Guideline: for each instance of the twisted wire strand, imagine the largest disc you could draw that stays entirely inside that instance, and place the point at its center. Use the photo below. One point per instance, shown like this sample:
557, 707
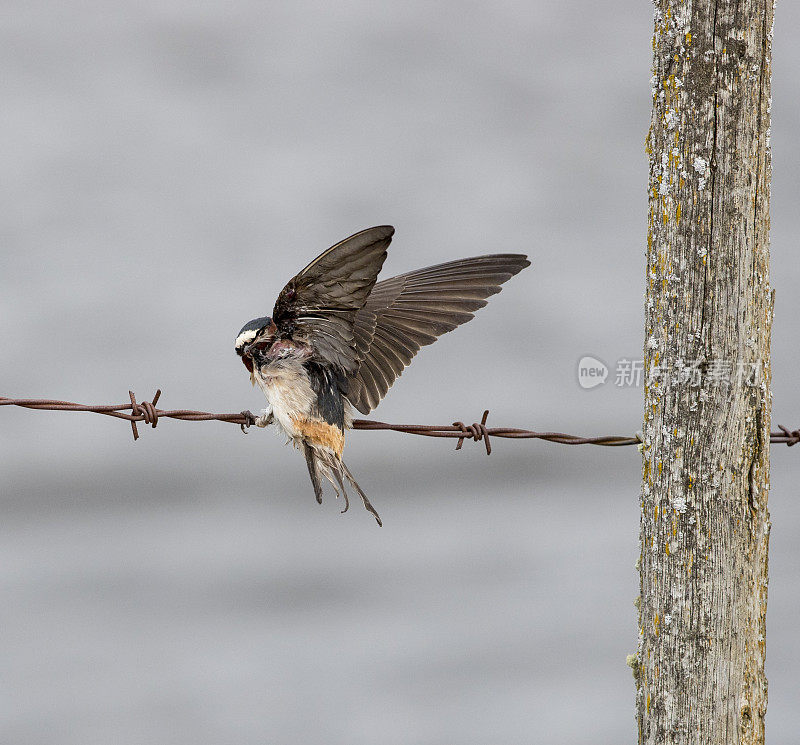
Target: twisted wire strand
147, 412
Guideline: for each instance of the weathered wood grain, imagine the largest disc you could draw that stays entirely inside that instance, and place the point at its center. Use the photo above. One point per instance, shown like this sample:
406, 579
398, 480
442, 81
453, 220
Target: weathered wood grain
705, 526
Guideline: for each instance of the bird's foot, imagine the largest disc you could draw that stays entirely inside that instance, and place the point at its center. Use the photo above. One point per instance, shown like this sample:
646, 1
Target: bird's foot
265, 419
250, 419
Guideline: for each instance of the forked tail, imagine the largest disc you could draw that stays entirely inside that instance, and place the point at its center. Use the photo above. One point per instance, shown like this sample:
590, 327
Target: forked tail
324, 463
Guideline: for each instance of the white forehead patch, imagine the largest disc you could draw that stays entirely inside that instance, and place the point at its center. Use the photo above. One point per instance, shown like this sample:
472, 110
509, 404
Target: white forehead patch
245, 338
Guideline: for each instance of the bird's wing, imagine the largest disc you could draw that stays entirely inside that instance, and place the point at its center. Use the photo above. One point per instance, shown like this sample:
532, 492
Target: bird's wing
319, 305
412, 310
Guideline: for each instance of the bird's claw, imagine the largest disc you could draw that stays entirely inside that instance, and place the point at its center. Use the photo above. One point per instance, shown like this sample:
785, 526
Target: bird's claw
249, 420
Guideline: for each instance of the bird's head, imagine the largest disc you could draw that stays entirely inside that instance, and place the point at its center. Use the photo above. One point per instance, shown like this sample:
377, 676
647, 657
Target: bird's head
254, 339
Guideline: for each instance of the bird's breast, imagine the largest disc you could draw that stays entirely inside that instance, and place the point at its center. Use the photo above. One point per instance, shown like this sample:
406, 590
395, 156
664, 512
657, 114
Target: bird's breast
288, 390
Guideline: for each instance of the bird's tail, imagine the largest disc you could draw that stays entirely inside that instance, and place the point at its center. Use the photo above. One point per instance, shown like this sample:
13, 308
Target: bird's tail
311, 462
364, 499
322, 462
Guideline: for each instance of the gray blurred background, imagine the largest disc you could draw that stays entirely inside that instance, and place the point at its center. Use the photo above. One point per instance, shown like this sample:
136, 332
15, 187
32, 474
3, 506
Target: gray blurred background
165, 169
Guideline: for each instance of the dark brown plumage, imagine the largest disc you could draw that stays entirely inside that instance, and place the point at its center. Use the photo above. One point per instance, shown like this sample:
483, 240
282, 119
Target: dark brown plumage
319, 304
412, 310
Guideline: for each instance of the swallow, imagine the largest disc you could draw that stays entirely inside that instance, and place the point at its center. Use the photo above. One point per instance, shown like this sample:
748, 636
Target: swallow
338, 339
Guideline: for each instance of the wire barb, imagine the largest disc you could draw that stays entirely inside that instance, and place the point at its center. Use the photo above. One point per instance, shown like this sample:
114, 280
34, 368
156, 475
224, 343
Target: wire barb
785, 435
476, 431
147, 412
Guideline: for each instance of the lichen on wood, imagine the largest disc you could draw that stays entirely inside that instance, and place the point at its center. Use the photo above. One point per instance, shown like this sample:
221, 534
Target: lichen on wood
704, 533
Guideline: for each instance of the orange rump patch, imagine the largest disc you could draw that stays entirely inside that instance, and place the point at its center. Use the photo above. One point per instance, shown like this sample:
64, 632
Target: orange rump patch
320, 433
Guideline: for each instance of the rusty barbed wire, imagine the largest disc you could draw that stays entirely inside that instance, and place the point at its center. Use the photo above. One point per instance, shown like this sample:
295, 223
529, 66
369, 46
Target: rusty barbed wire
147, 412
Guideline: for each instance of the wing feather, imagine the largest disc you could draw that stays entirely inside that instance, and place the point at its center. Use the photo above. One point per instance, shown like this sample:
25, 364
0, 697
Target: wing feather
319, 305
366, 386
412, 310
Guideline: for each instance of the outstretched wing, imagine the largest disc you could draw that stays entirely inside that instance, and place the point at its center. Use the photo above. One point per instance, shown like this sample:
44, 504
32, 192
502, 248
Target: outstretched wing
412, 310
319, 305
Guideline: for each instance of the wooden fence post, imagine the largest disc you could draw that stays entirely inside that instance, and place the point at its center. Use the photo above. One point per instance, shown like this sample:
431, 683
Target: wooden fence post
704, 523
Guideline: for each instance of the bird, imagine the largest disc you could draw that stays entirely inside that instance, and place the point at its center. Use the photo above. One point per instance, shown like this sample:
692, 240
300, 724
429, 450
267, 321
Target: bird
337, 340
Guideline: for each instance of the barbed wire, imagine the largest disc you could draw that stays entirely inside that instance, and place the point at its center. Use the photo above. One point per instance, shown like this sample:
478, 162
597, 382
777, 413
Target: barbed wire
146, 411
